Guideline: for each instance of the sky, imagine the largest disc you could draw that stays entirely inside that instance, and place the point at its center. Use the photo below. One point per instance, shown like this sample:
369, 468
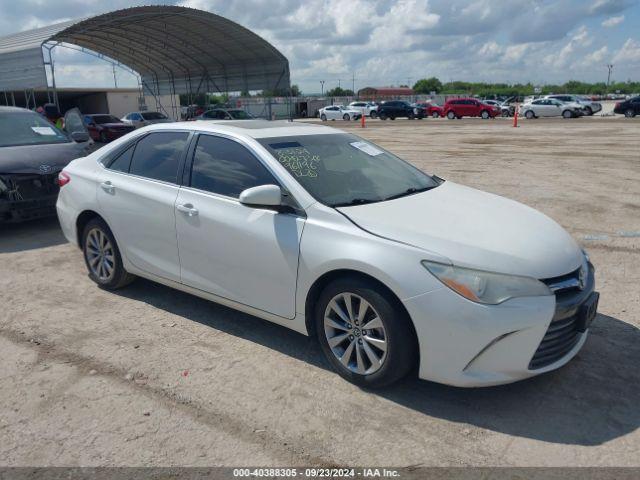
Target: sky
386, 42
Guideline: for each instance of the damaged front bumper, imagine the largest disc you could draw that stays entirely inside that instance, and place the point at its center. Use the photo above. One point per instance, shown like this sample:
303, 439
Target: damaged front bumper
27, 196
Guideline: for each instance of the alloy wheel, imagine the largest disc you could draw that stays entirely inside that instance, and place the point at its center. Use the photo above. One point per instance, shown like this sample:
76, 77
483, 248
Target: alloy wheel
355, 333
100, 255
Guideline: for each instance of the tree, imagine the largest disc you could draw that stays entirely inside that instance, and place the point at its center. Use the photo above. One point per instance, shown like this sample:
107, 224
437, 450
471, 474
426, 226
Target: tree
428, 85
339, 92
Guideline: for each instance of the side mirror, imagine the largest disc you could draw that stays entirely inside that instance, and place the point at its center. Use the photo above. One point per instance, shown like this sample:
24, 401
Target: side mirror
79, 137
262, 196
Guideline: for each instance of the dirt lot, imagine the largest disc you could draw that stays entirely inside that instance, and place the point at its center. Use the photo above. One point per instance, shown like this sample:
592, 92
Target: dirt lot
151, 376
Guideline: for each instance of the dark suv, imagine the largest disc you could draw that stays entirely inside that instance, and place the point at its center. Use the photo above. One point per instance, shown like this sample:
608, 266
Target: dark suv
629, 108
397, 108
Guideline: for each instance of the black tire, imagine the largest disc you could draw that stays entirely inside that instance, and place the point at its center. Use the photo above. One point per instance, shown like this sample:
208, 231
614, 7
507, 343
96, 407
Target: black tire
505, 113
435, 115
346, 117
323, 117
630, 113
451, 115
103, 137
567, 114
120, 277
411, 116
391, 117
402, 346
383, 116
373, 114
529, 114
588, 111
485, 115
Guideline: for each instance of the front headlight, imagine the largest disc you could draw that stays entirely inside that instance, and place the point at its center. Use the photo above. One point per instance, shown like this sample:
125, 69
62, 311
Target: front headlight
486, 287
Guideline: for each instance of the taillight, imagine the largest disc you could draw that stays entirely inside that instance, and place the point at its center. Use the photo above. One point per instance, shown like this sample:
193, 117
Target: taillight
63, 179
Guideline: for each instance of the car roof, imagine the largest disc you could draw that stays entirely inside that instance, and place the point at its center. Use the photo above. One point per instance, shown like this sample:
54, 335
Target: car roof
249, 128
15, 109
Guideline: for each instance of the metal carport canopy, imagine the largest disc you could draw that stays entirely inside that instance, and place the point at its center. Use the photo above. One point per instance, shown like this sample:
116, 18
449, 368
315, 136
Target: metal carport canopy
174, 49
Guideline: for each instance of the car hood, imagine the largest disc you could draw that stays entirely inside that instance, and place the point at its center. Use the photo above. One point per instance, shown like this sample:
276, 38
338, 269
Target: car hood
474, 229
115, 125
159, 120
29, 158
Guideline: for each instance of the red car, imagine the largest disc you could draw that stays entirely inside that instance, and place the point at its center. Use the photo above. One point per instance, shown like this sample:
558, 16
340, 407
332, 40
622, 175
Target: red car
432, 110
469, 107
104, 128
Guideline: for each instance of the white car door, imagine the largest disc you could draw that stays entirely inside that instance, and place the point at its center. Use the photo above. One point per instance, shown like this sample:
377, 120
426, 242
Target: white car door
137, 191
333, 113
248, 255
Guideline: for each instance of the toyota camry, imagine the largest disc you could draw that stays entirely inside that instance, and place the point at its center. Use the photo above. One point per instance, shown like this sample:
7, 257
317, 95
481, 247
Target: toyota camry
331, 235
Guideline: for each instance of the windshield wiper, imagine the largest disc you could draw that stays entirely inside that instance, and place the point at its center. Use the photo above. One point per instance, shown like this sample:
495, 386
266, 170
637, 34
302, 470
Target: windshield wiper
356, 201
409, 191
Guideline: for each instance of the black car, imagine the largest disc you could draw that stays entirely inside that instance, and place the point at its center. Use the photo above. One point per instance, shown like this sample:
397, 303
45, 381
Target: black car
398, 108
629, 108
32, 153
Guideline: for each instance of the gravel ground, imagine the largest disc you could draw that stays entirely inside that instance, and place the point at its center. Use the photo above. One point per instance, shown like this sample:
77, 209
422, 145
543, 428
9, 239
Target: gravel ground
151, 376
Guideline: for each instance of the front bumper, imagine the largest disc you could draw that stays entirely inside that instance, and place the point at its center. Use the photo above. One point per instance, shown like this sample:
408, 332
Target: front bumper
28, 196
466, 344
23, 210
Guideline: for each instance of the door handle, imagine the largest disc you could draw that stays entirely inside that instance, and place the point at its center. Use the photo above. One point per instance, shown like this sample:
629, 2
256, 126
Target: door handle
188, 209
108, 187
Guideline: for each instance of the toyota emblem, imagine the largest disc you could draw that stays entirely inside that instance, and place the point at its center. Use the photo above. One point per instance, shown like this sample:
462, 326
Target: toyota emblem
45, 168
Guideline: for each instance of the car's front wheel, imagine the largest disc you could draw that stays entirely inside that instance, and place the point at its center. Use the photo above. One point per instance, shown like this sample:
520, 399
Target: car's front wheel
567, 114
102, 256
323, 117
373, 114
346, 117
529, 114
451, 115
630, 113
364, 332
435, 115
485, 115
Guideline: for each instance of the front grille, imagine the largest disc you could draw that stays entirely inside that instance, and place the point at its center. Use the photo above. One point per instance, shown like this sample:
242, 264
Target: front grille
564, 330
21, 187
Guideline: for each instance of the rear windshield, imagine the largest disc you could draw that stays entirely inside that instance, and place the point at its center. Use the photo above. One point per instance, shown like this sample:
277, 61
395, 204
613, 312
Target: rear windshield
28, 128
153, 116
104, 119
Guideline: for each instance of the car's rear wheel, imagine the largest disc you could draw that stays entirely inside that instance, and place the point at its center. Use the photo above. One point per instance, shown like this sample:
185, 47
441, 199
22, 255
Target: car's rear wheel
451, 115
364, 333
391, 117
323, 117
435, 115
505, 113
485, 115
102, 256
567, 114
373, 114
529, 114
411, 116
630, 113
588, 111
346, 117
383, 116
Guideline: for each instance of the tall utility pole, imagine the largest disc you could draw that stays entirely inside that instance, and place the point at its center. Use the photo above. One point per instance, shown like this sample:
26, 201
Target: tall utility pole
353, 83
322, 88
610, 68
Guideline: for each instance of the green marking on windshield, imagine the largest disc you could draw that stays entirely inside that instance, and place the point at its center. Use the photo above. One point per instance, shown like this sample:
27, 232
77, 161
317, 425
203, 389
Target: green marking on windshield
299, 161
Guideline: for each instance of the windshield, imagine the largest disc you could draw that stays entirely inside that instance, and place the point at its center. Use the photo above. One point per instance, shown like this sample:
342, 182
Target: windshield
27, 128
240, 114
99, 119
342, 169
153, 116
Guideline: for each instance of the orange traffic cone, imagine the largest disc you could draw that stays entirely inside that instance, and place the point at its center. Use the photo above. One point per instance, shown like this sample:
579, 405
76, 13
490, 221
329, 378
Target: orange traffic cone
515, 116
362, 120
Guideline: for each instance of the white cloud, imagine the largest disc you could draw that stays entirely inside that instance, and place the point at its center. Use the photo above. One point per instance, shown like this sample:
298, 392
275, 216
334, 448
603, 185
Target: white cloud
613, 21
597, 56
629, 53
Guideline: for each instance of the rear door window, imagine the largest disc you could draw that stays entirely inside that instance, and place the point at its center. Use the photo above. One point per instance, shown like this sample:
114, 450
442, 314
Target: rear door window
158, 155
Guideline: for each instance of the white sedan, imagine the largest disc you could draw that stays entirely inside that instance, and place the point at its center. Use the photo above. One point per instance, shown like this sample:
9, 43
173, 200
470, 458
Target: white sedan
548, 107
330, 235
338, 112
